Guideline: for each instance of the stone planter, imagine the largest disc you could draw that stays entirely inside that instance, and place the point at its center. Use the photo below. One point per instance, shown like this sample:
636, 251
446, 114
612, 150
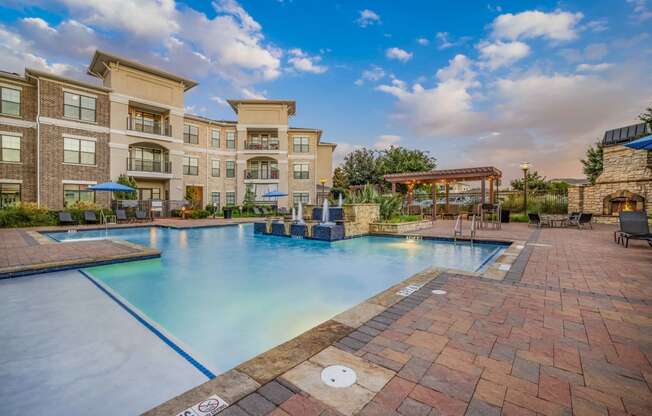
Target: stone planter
278, 228
299, 230
328, 233
399, 227
260, 228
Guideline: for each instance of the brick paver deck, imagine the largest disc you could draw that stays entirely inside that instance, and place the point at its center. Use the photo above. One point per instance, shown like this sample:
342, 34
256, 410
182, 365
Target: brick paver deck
571, 334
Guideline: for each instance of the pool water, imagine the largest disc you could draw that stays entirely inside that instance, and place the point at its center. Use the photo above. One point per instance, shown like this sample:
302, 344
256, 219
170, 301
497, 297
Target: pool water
228, 295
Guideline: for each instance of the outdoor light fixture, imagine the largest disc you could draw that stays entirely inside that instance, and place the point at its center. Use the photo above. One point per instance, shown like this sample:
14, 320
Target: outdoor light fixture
525, 166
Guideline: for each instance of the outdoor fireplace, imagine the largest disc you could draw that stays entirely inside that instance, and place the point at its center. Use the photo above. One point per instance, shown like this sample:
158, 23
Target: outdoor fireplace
620, 201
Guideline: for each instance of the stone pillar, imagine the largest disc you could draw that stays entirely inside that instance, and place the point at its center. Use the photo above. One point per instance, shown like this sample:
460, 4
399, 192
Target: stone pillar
483, 191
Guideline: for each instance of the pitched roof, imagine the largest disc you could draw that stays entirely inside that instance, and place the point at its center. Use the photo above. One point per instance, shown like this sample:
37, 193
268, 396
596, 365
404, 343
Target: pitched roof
101, 58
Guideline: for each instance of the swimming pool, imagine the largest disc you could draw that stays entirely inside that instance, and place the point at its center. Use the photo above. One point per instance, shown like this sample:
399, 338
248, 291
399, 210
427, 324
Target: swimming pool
226, 295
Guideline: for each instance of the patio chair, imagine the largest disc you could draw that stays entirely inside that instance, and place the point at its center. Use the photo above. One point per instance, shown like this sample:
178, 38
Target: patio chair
141, 215
65, 218
634, 226
535, 220
573, 217
90, 217
121, 215
257, 211
583, 221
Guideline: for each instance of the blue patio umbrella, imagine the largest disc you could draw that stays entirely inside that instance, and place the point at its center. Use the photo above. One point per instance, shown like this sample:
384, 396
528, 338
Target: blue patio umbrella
275, 194
111, 187
644, 143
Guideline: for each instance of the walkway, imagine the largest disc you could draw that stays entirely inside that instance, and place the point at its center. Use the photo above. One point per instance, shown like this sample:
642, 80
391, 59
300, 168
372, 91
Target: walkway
67, 348
570, 334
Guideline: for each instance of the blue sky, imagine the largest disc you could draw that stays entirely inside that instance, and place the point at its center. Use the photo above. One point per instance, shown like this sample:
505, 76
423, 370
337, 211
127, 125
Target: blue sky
474, 83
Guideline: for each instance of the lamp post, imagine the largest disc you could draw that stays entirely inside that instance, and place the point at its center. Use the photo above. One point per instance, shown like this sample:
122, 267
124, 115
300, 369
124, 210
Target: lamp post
525, 166
322, 181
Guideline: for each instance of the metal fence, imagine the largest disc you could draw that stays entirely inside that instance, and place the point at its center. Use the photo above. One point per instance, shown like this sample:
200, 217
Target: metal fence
155, 207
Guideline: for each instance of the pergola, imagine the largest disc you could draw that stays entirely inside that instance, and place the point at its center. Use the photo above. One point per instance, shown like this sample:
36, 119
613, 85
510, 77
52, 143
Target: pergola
447, 176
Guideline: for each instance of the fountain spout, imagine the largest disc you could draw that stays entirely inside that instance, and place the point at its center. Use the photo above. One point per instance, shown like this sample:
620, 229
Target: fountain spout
339, 201
294, 215
300, 214
325, 215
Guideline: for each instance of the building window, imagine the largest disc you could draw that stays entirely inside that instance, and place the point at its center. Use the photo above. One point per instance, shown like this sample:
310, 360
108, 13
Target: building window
230, 198
73, 193
303, 197
10, 148
79, 107
190, 165
10, 101
81, 152
215, 199
230, 140
301, 171
9, 194
215, 138
230, 169
300, 145
215, 168
190, 134
262, 169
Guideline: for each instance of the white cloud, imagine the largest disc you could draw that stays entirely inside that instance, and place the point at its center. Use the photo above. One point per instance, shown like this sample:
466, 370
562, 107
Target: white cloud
219, 100
341, 151
373, 74
367, 18
152, 18
592, 52
423, 41
593, 67
302, 62
442, 40
641, 11
445, 108
252, 94
498, 54
385, 141
399, 54
558, 25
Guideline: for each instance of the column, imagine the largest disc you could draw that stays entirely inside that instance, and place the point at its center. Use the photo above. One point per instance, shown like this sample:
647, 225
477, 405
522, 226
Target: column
491, 190
483, 191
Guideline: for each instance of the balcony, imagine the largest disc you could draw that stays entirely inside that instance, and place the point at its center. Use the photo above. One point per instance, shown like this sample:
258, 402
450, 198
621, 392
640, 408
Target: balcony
271, 145
144, 168
148, 126
258, 174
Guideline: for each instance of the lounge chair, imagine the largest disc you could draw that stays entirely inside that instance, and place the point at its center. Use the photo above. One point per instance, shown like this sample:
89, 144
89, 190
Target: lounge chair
121, 215
65, 218
141, 216
583, 220
535, 219
90, 217
257, 211
634, 226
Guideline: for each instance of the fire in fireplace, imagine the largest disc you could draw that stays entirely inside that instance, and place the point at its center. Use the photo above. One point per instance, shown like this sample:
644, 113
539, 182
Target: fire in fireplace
622, 201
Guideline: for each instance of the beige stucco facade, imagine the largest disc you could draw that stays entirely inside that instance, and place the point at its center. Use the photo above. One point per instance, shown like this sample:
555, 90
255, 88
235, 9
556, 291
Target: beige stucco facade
141, 130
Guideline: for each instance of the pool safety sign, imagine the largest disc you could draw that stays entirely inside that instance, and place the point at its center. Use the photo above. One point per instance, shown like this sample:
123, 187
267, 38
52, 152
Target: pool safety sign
408, 290
209, 407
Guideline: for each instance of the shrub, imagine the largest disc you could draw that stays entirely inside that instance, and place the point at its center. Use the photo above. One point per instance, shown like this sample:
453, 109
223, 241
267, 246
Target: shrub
390, 204
26, 215
197, 214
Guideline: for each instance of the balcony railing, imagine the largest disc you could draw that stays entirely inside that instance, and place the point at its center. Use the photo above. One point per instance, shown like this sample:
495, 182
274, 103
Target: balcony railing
151, 127
258, 174
143, 165
271, 145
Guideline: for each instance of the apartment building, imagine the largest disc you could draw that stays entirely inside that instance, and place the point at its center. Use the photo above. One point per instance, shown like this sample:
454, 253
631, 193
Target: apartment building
60, 135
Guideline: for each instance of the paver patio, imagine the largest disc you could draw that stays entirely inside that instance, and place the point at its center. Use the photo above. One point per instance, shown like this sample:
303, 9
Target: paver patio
571, 335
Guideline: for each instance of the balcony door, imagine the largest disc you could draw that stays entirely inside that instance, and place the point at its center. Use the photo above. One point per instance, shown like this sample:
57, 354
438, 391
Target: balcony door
145, 159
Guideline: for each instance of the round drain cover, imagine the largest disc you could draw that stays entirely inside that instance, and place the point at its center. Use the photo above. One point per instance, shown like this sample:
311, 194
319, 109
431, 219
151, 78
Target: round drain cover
338, 376
439, 292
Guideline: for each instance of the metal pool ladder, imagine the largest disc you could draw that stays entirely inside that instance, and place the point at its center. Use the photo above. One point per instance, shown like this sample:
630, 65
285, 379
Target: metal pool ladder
106, 220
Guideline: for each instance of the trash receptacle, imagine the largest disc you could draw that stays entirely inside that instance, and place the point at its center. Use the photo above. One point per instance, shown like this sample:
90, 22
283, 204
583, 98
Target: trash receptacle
504, 215
228, 213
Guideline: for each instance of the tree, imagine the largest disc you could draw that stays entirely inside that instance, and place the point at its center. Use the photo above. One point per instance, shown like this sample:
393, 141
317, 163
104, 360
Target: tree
361, 167
534, 182
593, 162
646, 117
398, 159
340, 182
127, 181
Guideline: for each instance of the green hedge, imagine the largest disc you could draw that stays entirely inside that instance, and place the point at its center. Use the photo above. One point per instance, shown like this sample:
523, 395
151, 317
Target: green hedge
26, 215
